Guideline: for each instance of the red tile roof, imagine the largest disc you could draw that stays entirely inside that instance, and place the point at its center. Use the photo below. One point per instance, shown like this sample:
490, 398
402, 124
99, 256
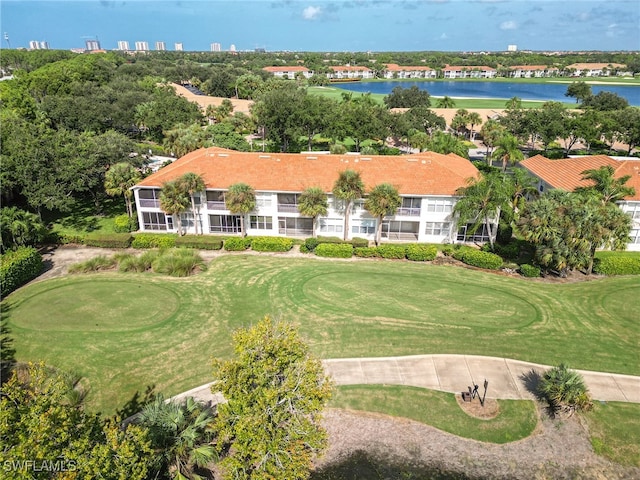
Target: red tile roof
468, 68
286, 69
421, 174
566, 174
394, 67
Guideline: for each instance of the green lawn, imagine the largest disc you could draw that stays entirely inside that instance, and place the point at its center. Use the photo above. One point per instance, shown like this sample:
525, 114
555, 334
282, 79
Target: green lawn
125, 332
83, 218
615, 431
515, 420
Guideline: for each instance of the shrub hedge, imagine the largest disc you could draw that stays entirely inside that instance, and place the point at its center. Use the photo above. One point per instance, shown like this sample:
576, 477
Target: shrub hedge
366, 252
334, 250
154, 240
530, 271
125, 224
108, 240
236, 244
359, 242
392, 251
418, 252
18, 267
199, 242
617, 263
310, 245
478, 258
271, 244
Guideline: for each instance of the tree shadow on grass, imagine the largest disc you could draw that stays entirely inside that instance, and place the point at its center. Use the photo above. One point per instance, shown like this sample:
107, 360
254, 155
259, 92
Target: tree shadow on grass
531, 381
134, 405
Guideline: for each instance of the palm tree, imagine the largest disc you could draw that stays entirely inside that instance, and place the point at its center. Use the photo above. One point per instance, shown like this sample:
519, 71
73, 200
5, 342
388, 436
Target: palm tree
491, 132
524, 188
348, 187
460, 120
508, 150
181, 434
119, 179
564, 389
473, 119
193, 183
173, 201
313, 203
446, 102
482, 201
444, 143
605, 186
240, 199
19, 228
383, 200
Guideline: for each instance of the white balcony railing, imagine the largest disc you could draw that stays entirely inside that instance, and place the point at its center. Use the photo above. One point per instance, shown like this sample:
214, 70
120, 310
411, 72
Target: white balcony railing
288, 207
149, 203
216, 205
409, 211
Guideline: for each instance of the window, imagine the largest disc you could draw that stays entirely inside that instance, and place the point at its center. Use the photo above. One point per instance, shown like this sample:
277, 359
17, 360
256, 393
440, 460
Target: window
364, 227
263, 200
634, 236
215, 200
480, 235
410, 206
437, 228
149, 197
261, 223
632, 209
288, 202
156, 221
395, 230
224, 223
331, 225
439, 205
186, 220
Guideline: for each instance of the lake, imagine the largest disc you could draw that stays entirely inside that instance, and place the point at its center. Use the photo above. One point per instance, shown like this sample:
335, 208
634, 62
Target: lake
499, 90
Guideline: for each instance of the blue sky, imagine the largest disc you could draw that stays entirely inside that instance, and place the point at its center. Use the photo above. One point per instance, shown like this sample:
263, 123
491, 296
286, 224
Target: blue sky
329, 25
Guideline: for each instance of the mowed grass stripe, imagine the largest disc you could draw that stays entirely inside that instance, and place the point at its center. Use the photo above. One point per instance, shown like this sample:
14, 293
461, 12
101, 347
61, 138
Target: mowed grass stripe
343, 309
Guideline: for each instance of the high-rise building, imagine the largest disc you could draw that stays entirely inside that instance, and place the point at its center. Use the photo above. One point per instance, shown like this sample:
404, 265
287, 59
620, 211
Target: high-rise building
142, 46
44, 45
123, 45
216, 47
178, 47
512, 48
92, 45
232, 48
161, 46
36, 45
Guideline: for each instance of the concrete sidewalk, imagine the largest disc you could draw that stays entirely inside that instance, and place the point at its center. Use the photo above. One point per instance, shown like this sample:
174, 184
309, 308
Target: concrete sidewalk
508, 379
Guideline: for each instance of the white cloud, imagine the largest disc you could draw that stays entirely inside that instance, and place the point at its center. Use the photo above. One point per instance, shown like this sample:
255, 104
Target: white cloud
443, 36
510, 25
311, 12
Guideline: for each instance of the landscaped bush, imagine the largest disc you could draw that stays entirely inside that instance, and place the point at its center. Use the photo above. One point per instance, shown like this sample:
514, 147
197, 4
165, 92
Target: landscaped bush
334, 250
236, 244
530, 271
137, 263
459, 251
392, 251
331, 240
310, 244
421, 253
94, 264
68, 239
447, 250
154, 240
125, 224
18, 267
565, 390
199, 242
178, 262
366, 252
359, 242
108, 240
271, 244
617, 263
478, 258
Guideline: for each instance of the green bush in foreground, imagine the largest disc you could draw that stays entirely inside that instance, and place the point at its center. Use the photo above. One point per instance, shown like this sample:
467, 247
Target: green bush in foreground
529, 271
154, 240
565, 390
125, 224
237, 244
18, 267
392, 251
366, 252
478, 258
421, 253
271, 244
334, 250
617, 263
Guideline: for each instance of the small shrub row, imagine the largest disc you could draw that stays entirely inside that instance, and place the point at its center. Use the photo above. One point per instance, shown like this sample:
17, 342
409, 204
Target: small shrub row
334, 250
271, 244
418, 252
154, 240
310, 244
530, 271
366, 252
125, 224
18, 267
617, 263
237, 244
478, 258
392, 251
199, 242
108, 240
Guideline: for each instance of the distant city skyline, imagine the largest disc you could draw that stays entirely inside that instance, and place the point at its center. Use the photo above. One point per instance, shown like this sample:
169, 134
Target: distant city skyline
323, 25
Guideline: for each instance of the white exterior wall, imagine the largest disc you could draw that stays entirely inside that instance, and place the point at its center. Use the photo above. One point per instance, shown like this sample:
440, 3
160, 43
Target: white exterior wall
330, 225
633, 210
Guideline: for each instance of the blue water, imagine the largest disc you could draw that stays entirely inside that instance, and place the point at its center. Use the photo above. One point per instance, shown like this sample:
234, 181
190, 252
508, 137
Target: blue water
499, 90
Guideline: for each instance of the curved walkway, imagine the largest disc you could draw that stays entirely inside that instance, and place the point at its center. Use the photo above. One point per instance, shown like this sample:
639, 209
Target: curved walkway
507, 379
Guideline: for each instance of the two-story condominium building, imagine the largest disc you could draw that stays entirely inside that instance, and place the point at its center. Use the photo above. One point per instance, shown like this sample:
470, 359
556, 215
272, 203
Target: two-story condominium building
593, 69
533, 71
567, 175
427, 183
469, 72
349, 71
289, 72
393, 70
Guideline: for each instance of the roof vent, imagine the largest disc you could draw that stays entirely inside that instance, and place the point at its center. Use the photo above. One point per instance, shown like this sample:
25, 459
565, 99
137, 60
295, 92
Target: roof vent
365, 159
312, 158
223, 154
264, 156
412, 159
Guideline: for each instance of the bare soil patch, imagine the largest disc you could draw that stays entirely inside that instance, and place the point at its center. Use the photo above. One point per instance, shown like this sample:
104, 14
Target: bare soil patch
474, 408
